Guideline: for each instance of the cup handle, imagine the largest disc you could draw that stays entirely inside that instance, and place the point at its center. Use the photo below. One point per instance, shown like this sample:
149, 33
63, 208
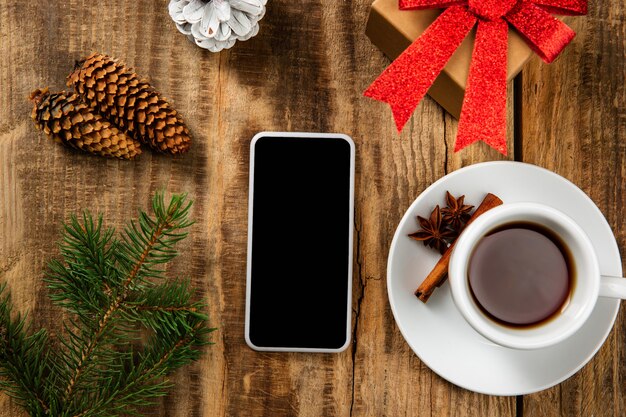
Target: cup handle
613, 287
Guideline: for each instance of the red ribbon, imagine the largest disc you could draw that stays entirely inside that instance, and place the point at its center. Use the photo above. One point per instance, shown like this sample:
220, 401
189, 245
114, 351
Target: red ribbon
483, 116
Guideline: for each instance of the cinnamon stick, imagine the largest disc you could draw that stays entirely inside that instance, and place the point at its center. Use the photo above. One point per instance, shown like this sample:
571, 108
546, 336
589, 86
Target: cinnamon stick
440, 272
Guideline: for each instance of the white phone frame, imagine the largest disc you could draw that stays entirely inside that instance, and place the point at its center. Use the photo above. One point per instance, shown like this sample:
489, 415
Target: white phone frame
288, 135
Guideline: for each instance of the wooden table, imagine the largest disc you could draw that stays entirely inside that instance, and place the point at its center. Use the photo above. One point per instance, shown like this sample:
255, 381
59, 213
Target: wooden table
306, 70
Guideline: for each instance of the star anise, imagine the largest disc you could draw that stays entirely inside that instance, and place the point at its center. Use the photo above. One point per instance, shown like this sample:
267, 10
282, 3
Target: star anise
457, 213
434, 232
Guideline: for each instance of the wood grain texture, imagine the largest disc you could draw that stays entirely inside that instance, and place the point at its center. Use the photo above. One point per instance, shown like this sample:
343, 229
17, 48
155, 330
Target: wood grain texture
306, 71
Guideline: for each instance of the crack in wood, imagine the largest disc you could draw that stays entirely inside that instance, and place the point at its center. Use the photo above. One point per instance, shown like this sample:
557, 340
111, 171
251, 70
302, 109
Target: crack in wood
357, 312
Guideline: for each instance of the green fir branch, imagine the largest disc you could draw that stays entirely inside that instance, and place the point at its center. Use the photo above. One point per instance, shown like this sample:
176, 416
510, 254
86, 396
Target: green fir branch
169, 302
81, 282
129, 328
143, 246
146, 380
23, 357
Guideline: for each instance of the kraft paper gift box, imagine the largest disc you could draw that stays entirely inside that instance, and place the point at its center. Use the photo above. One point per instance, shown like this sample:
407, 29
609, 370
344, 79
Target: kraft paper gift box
392, 30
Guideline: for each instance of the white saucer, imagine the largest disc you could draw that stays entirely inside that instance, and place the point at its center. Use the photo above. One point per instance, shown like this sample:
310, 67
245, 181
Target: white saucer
437, 332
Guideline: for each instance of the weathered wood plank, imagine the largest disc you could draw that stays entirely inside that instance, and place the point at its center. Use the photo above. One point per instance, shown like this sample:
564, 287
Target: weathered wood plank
393, 170
299, 74
305, 71
42, 183
574, 122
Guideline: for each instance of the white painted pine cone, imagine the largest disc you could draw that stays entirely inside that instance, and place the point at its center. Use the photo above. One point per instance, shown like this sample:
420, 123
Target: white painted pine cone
217, 24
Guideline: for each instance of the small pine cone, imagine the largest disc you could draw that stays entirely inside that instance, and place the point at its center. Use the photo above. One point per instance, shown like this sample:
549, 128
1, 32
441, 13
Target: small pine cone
67, 120
132, 104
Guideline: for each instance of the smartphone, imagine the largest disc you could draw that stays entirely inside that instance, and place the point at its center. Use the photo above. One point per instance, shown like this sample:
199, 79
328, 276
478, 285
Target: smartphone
300, 227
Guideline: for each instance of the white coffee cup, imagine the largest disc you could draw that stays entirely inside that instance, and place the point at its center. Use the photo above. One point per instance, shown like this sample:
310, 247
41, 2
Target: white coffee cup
589, 284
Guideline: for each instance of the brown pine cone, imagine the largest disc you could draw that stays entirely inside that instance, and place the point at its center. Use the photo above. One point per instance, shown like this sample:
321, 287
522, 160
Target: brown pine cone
67, 120
132, 104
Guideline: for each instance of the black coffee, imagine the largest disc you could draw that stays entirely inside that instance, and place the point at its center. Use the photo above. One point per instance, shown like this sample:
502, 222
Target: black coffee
521, 274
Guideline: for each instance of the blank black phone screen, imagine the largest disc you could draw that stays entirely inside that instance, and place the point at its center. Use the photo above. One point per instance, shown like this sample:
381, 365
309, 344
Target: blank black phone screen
300, 242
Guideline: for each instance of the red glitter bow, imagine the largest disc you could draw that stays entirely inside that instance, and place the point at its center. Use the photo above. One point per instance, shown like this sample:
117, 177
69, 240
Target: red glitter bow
483, 116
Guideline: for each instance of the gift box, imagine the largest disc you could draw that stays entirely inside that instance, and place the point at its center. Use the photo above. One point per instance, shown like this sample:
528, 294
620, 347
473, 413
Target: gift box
392, 30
